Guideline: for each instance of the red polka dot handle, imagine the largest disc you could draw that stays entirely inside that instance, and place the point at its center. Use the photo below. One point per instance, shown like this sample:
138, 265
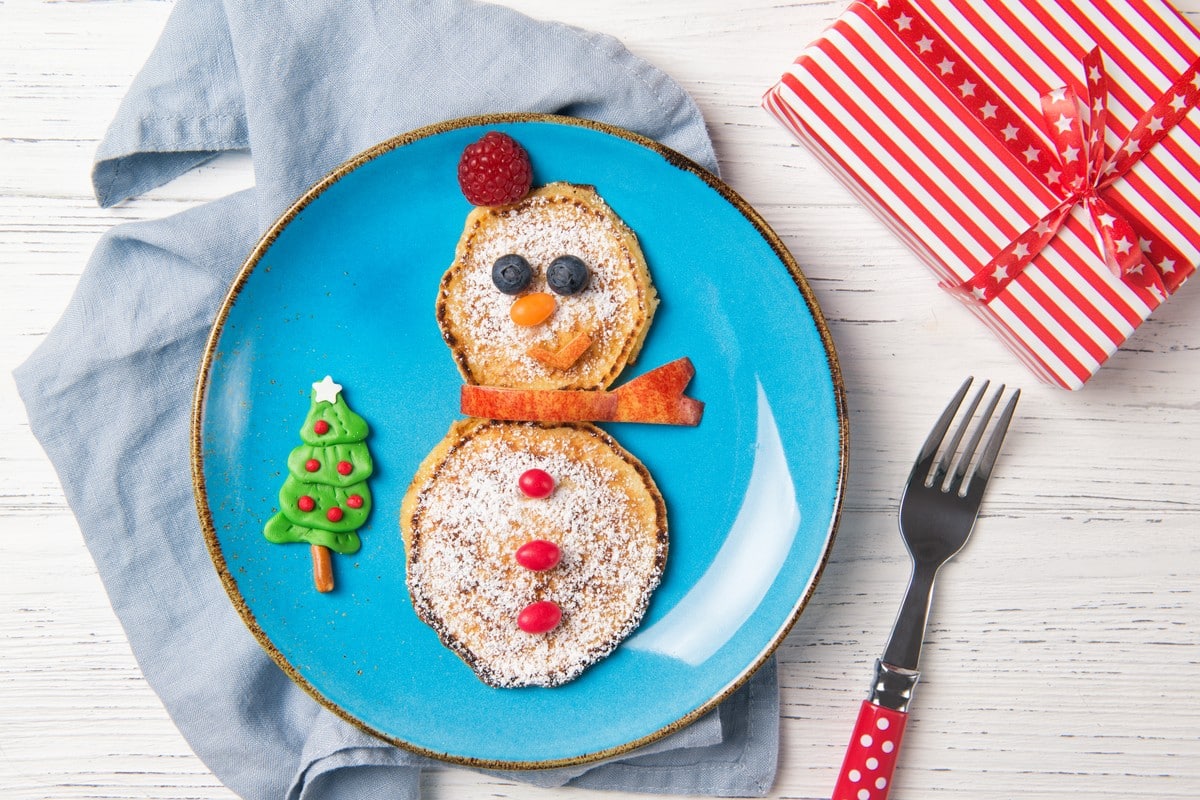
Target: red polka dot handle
871, 756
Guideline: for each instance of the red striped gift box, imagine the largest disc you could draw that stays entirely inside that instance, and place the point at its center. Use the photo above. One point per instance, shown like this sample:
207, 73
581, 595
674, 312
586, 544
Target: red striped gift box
1038, 155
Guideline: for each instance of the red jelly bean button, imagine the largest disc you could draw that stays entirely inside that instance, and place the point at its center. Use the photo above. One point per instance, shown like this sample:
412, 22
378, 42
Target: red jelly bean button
538, 555
306, 503
536, 483
312, 465
355, 501
539, 617
321, 427
334, 514
345, 467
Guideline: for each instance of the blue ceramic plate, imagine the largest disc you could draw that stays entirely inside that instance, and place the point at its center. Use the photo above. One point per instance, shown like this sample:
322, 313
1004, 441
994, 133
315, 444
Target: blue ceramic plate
344, 284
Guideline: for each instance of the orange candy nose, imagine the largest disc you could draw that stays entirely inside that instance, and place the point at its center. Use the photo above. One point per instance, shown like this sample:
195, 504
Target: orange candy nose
532, 309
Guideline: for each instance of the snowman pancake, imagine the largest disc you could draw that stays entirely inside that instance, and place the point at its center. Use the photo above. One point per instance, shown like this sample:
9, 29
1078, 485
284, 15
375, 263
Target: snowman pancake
533, 547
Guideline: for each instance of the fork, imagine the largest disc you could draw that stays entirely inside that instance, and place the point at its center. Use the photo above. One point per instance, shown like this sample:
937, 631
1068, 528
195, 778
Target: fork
937, 513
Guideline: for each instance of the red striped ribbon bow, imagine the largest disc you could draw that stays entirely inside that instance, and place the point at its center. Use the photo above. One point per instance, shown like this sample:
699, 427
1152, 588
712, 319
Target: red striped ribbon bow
1078, 173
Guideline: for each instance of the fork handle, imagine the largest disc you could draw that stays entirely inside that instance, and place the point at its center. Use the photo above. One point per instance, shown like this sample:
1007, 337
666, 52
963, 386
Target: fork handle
904, 645
871, 756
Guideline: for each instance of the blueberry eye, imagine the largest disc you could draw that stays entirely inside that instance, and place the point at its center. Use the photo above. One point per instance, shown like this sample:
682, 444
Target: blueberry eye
567, 275
511, 273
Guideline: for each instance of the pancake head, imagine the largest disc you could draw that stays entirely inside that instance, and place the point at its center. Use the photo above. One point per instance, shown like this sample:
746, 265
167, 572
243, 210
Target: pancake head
572, 318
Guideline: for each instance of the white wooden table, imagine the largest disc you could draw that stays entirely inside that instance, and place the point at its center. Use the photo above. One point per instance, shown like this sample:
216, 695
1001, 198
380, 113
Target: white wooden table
1062, 653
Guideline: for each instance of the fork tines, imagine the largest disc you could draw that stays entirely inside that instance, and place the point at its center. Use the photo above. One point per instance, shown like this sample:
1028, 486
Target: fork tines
965, 466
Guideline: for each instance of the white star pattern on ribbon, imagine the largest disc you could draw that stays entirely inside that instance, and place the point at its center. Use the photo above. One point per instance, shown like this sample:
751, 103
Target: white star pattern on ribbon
1001, 272
1107, 220
1178, 102
881, 3
1123, 246
1098, 106
327, 390
1136, 269
1058, 95
1031, 153
1130, 147
1071, 153
1010, 132
979, 293
946, 66
1063, 124
1094, 73
1042, 228
1021, 250
1167, 265
924, 44
967, 89
1052, 175
1144, 244
904, 22
1154, 125
988, 110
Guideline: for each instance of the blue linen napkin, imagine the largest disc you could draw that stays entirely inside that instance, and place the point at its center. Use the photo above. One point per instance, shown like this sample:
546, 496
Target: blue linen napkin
303, 86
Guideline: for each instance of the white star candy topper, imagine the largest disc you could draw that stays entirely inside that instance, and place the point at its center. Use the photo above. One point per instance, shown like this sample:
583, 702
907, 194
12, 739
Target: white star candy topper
327, 390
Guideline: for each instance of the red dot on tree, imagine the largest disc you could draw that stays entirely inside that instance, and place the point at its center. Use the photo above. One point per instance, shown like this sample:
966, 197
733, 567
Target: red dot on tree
355, 501
334, 514
306, 503
345, 467
536, 483
320, 427
312, 465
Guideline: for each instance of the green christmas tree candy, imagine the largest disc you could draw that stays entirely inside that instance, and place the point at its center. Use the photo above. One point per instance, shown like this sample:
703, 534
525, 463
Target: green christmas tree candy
325, 498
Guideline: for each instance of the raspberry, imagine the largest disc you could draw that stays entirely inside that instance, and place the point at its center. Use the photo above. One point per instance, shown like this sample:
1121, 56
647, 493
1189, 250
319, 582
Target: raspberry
494, 170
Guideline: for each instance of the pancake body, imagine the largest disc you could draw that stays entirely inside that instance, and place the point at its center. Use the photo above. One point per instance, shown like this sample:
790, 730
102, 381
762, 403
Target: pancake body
464, 518
614, 310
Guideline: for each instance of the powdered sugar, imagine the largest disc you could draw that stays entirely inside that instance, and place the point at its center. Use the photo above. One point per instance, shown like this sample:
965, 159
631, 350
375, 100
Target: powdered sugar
471, 519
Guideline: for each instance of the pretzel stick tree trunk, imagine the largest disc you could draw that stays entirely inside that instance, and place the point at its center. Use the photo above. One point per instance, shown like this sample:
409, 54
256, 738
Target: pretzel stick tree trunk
322, 567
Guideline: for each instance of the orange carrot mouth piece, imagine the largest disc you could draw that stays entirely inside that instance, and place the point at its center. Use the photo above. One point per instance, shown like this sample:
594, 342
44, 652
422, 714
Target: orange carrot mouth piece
566, 356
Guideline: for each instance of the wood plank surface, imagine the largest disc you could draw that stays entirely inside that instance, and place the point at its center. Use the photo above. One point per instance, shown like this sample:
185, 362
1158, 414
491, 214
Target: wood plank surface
1061, 657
